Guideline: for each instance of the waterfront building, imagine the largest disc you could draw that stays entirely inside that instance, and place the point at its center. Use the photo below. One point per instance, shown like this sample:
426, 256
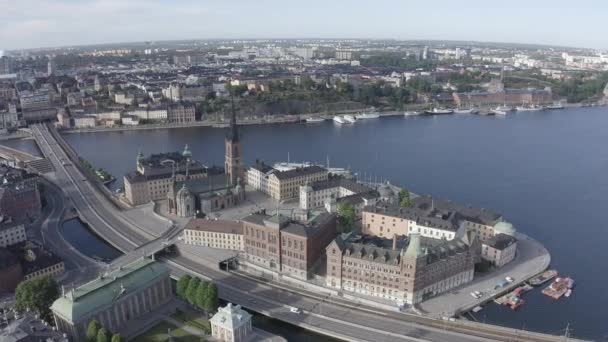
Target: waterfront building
156, 174
285, 246
433, 218
181, 114
497, 94
11, 233
500, 249
406, 275
223, 234
84, 121
283, 185
314, 195
233, 164
116, 298
231, 324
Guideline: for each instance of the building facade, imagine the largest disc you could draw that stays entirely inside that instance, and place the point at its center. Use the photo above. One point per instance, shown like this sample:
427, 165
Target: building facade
408, 275
231, 324
115, 299
181, 114
285, 246
223, 234
11, 233
314, 195
499, 250
284, 185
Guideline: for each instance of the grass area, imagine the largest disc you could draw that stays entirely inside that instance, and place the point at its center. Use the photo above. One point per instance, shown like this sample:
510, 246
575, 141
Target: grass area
193, 319
158, 333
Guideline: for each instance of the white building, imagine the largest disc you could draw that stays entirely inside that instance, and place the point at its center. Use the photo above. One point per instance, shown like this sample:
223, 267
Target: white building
215, 234
11, 233
257, 176
315, 194
231, 324
499, 250
84, 121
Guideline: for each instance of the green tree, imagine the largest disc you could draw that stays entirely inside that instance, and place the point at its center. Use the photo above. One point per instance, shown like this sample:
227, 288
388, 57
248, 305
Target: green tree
102, 335
202, 292
191, 291
346, 215
92, 331
211, 299
182, 286
37, 295
117, 338
404, 198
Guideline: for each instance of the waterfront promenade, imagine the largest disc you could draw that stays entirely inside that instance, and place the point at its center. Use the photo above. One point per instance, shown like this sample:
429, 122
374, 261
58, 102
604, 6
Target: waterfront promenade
324, 315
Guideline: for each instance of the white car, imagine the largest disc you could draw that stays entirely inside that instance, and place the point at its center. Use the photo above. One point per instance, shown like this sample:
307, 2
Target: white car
509, 279
295, 310
476, 294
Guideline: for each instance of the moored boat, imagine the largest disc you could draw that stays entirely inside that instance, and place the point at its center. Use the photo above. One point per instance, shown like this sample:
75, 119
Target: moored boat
543, 277
498, 111
314, 119
340, 119
463, 111
349, 118
559, 287
411, 113
528, 109
438, 111
365, 116
555, 106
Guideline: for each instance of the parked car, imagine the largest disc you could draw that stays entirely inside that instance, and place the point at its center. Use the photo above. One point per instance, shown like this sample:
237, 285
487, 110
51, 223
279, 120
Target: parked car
295, 310
509, 279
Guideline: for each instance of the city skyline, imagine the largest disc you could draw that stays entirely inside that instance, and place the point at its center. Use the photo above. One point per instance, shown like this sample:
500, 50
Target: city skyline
37, 24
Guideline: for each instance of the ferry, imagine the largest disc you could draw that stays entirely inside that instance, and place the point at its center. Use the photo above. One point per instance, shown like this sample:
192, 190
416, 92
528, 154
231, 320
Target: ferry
314, 119
528, 109
543, 277
438, 111
340, 119
350, 119
559, 287
555, 106
367, 116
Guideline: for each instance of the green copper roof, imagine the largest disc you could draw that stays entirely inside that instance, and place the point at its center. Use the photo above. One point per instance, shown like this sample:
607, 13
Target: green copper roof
413, 248
504, 228
101, 292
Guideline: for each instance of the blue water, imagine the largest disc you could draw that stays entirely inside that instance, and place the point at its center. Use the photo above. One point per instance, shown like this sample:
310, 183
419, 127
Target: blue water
25, 145
88, 243
546, 172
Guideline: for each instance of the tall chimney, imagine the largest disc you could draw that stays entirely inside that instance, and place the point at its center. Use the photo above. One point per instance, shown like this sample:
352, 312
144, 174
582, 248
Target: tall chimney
394, 241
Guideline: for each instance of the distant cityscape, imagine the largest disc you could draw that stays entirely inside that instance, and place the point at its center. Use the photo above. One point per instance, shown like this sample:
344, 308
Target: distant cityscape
187, 83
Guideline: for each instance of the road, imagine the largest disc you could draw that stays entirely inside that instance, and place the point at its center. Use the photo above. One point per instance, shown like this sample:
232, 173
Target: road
326, 315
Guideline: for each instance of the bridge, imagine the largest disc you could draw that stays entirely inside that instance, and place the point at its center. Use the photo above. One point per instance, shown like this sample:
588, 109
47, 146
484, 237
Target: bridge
328, 315
25, 160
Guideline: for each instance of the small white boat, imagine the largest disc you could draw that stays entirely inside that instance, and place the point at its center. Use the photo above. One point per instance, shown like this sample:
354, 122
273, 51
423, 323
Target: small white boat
568, 293
463, 111
339, 119
498, 111
350, 119
314, 119
411, 113
504, 108
438, 111
365, 116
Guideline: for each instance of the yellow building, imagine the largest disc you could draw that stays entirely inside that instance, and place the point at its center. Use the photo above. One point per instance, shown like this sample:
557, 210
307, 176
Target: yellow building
286, 184
215, 234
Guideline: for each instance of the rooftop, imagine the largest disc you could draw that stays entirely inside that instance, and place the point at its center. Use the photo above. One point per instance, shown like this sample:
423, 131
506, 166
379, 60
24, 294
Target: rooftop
218, 226
299, 172
231, 317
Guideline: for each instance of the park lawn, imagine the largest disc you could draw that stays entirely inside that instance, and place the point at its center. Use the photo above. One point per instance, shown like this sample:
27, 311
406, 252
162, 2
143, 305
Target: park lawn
158, 333
193, 319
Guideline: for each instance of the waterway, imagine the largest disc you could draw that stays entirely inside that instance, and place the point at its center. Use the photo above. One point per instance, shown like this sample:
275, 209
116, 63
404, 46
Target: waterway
25, 145
546, 172
79, 235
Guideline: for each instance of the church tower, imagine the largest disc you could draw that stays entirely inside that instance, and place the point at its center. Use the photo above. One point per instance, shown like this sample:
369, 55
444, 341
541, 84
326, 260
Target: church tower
233, 164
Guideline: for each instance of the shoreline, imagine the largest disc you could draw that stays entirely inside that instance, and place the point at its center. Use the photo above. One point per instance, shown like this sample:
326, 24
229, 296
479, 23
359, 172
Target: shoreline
290, 119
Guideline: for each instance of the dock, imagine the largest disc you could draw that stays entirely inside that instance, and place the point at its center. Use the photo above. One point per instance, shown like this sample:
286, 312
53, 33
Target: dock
509, 298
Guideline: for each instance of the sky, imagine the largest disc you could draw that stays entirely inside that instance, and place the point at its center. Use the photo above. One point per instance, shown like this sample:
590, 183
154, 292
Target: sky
52, 23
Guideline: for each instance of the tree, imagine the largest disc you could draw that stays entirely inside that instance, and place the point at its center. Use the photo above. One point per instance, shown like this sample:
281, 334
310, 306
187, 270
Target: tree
201, 294
211, 300
117, 338
182, 286
93, 330
404, 198
346, 215
191, 291
37, 295
102, 335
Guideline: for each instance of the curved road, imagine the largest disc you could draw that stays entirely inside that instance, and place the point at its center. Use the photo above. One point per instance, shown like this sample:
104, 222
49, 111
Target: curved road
323, 314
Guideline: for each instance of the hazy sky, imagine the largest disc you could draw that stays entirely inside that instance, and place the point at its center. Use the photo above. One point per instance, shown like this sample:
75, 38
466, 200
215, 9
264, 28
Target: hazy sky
42, 23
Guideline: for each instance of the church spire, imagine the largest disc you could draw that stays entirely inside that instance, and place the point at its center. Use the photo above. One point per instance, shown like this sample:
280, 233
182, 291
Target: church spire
233, 133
